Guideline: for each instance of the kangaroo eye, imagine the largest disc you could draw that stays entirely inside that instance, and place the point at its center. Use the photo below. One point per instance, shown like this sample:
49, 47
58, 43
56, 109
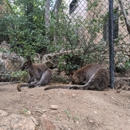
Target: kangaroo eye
25, 65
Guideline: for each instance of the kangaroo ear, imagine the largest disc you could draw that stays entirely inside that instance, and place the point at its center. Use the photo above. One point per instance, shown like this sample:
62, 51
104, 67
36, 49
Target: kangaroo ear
72, 73
29, 59
72, 80
71, 77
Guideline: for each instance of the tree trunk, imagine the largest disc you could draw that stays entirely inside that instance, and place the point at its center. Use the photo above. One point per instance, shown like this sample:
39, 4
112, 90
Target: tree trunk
47, 17
56, 10
125, 16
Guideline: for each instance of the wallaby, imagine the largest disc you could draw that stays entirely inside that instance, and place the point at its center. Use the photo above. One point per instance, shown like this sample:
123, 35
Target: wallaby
39, 73
93, 76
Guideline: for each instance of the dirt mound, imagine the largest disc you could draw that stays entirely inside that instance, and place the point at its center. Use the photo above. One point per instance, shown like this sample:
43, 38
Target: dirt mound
76, 109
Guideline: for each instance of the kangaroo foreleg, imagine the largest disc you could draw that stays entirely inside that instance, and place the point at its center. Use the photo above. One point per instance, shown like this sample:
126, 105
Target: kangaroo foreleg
32, 84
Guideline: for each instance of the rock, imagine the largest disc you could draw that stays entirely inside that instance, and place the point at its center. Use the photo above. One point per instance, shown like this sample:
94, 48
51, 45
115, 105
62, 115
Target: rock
73, 95
34, 120
55, 72
54, 107
3, 113
122, 83
11, 60
16, 122
47, 124
37, 58
5, 46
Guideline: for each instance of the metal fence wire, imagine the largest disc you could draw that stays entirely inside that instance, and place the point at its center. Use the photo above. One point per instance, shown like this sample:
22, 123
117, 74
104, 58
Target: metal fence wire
73, 29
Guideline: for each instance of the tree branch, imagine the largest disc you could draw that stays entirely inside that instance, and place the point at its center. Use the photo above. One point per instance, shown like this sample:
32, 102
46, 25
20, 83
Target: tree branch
125, 16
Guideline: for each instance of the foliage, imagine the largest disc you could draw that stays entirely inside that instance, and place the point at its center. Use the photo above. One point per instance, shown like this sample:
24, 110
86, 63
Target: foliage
127, 65
1, 1
71, 36
24, 111
62, 31
68, 113
69, 63
25, 28
59, 79
3, 50
20, 75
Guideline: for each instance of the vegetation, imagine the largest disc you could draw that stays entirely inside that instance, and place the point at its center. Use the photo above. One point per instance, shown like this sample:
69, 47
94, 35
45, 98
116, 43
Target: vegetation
25, 27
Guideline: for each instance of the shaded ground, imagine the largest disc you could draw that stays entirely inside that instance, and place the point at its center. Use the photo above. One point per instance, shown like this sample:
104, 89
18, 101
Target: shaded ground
77, 109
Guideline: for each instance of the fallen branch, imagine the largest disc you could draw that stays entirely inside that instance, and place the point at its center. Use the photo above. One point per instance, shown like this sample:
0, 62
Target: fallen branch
50, 55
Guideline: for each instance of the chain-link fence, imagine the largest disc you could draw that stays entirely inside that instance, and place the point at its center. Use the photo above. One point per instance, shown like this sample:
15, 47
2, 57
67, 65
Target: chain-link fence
73, 32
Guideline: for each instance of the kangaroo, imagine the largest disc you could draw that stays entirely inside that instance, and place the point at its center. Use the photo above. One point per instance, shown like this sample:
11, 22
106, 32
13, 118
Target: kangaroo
39, 73
93, 76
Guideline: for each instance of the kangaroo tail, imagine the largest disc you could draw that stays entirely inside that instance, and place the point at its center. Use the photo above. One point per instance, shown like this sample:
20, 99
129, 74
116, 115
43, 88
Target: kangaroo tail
64, 87
21, 85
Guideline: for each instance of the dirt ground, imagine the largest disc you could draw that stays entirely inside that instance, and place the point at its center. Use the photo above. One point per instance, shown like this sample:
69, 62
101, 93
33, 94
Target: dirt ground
77, 109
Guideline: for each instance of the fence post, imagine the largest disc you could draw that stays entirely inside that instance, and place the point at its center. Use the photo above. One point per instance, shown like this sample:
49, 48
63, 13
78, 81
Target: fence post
111, 44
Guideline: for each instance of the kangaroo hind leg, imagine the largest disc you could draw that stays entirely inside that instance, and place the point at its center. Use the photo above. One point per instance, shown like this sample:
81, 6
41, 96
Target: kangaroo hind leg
46, 76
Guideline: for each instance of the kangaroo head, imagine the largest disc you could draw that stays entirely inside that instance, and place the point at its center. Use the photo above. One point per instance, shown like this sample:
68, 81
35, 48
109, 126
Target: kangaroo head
27, 64
75, 79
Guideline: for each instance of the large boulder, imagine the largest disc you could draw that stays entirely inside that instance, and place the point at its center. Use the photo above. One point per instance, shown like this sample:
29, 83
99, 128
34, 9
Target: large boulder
15, 122
9, 61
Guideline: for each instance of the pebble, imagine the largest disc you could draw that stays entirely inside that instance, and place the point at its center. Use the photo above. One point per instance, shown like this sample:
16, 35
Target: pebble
54, 107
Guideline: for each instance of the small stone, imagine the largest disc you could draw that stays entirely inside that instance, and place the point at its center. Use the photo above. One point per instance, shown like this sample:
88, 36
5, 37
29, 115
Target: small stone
43, 110
95, 112
73, 95
3, 113
29, 112
34, 120
118, 91
54, 107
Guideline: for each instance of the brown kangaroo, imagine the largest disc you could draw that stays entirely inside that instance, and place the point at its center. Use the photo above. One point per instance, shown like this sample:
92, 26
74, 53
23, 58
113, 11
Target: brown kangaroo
39, 73
93, 76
